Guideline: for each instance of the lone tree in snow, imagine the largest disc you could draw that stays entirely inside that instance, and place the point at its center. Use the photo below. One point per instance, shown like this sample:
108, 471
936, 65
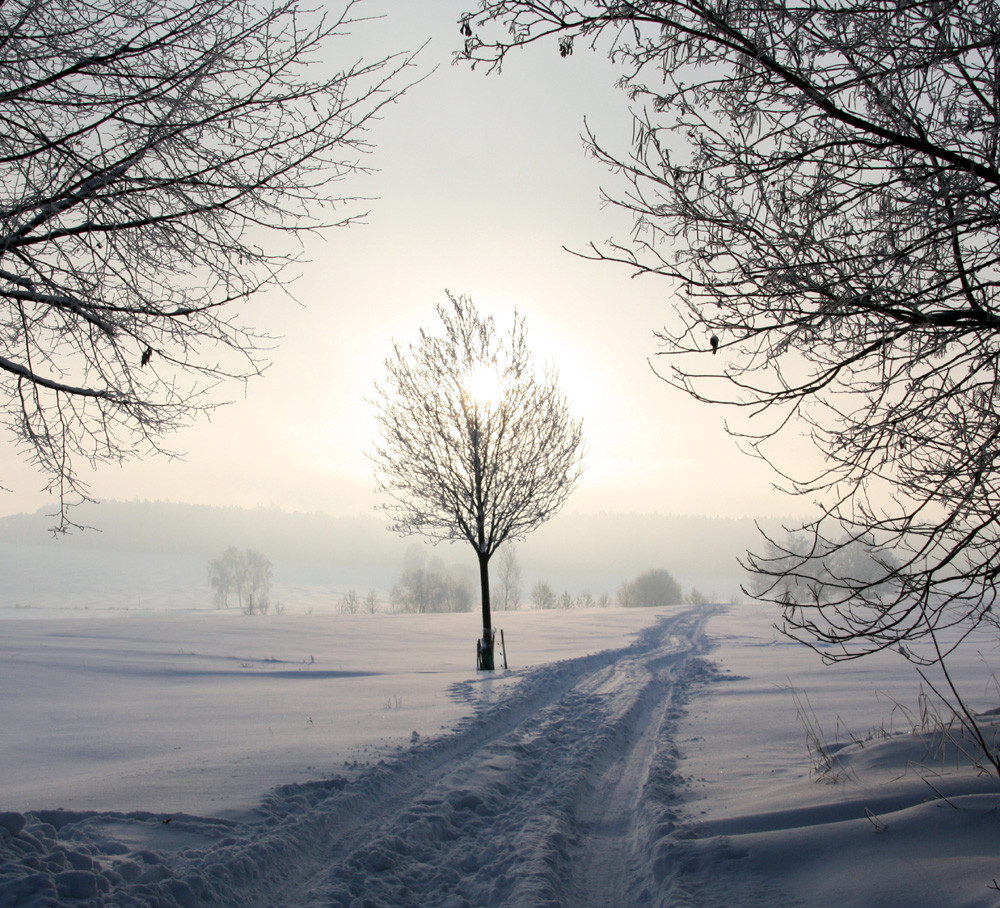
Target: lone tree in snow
820, 180
542, 595
651, 589
145, 149
244, 573
474, 444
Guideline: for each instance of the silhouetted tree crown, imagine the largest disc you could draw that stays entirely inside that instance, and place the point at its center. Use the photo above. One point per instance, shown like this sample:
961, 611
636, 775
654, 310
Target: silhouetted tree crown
474, 443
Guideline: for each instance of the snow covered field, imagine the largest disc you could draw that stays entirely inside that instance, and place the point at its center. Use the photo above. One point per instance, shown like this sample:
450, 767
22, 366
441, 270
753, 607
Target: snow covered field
627, 758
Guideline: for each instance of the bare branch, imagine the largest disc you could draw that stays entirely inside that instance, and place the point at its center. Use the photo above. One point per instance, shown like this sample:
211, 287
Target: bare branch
819, 182
150, 154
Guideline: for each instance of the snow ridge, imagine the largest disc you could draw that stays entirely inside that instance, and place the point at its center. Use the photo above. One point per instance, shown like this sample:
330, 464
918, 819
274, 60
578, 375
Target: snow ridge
562, 791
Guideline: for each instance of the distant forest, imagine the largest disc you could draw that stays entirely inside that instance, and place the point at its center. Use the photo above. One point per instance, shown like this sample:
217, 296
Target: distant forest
573, 552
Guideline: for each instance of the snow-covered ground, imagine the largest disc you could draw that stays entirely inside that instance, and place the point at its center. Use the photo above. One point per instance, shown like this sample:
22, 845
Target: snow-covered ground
627, 758
207, 711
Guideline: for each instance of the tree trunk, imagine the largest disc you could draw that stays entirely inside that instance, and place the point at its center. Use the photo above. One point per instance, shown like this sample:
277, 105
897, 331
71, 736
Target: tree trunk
485, 647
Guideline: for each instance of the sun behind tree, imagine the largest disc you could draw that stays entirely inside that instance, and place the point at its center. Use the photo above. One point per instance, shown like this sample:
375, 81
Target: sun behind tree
474, 443
484, 384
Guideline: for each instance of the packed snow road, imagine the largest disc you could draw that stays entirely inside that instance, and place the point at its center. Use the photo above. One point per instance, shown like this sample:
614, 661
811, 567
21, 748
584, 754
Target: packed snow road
562, 790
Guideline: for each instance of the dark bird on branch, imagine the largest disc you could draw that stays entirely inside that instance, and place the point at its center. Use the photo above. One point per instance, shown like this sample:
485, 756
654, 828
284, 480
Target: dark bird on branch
714, 341
147, 356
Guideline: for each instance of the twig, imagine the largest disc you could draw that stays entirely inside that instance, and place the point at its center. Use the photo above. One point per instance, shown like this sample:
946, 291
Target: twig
936, 791
879, 825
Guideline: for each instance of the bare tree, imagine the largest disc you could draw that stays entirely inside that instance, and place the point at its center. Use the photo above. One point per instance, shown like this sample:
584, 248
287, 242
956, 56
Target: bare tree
350, 603
819, 180
255, 586
650, 589
145, 150
508, 589
542, 595
800, 573
475, 444
222, 576
623, 595
245, 573
428, 586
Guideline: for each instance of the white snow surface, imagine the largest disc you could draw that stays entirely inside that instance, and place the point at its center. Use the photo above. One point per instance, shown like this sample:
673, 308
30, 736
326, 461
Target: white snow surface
627, 758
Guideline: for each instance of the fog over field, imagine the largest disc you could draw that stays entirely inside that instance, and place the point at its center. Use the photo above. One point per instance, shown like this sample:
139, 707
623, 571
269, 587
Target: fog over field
154, 554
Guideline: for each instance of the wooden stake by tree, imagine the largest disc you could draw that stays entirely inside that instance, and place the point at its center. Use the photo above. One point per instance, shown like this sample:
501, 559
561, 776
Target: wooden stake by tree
474, 444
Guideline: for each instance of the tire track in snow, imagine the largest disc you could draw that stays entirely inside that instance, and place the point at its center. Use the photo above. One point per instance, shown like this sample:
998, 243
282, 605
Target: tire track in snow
541, 806
608, 861
537, 799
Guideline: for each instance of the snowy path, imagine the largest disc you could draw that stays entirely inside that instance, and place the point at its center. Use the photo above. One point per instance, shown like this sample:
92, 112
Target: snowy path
557, 792
605, 862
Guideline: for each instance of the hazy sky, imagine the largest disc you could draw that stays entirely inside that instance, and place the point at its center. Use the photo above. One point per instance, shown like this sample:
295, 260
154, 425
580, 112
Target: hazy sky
481, 181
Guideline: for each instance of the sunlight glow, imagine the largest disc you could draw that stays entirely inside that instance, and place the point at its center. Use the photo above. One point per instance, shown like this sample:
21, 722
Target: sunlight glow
484, 385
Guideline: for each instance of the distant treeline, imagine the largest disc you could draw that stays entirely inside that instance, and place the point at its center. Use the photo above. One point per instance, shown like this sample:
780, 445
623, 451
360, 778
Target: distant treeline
569, 544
